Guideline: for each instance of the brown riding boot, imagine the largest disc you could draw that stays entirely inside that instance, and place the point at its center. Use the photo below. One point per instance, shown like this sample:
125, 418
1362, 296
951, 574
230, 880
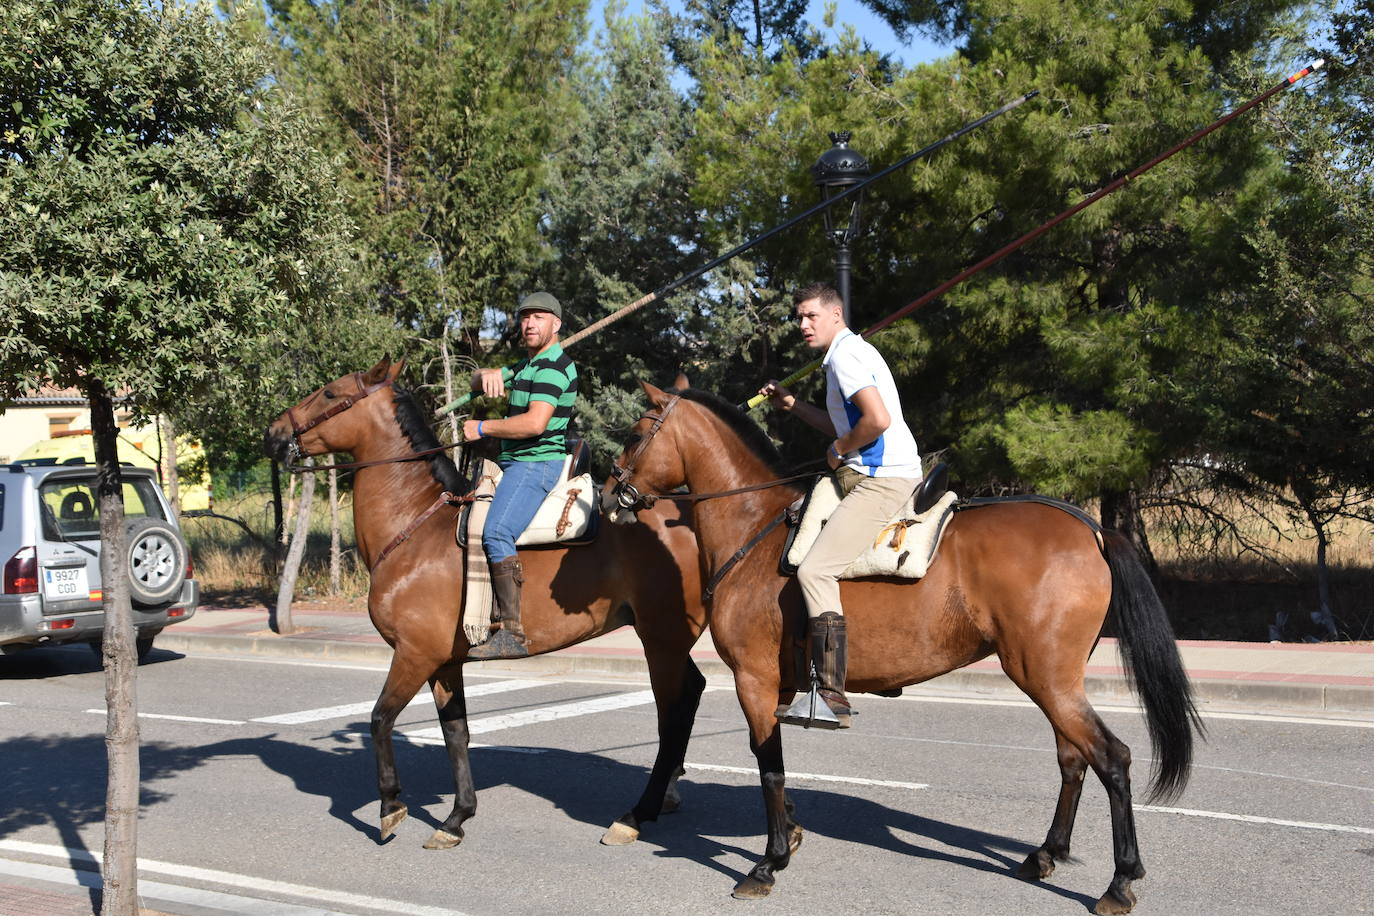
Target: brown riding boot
509, 640
830, 655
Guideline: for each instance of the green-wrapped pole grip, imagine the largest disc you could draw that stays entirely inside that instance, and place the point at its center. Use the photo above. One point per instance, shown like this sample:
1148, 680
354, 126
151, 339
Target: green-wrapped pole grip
506, 375
792, 379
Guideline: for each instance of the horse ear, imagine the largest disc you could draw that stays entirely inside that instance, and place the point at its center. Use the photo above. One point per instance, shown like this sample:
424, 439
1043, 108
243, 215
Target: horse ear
656, 395
378, 372
681, 381
396, 368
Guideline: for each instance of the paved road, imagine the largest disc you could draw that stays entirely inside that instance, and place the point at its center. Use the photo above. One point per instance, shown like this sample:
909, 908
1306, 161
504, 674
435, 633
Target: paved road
259, 798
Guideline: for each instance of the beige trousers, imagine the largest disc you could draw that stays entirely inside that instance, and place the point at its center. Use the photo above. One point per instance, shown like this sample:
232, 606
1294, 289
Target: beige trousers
869, 504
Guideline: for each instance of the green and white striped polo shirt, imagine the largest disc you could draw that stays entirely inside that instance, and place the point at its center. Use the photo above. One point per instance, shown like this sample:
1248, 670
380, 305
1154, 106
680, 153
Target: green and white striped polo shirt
549, 377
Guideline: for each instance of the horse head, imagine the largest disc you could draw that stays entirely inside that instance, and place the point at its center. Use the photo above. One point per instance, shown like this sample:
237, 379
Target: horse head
649, 463
334, 418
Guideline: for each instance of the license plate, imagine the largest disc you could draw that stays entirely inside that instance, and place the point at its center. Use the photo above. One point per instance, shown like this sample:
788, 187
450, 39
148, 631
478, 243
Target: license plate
65, 584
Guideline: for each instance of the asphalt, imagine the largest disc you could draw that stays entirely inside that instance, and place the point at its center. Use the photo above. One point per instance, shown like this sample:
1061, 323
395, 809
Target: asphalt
1328, 678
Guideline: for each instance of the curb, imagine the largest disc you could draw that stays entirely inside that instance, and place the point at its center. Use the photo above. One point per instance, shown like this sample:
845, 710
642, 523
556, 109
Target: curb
1270, 695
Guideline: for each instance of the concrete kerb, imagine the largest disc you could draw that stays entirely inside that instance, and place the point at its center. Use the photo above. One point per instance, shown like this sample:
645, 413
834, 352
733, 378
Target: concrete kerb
1269, 695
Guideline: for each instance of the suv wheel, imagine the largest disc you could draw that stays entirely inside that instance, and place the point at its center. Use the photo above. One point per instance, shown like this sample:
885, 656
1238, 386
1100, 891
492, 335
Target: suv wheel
157, 561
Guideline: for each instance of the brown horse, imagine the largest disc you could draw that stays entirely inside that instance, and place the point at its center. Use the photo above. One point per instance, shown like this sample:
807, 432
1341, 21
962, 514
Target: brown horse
1025, 580
646, 576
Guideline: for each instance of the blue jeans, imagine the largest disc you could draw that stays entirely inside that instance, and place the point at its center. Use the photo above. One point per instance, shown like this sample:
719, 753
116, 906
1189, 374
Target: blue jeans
522, 489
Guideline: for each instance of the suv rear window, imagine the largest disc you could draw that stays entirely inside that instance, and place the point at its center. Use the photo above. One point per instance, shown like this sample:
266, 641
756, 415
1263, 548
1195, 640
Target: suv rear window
72, 512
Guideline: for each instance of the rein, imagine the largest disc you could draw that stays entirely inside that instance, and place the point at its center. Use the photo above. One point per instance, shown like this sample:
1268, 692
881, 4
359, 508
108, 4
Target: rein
446, 498
631, 499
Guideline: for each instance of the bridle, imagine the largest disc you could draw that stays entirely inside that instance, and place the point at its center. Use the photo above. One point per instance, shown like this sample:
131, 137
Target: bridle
298, 428
627, 496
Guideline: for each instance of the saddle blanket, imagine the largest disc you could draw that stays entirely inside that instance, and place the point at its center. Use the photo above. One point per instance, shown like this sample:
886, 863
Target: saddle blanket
904, 548
568, 513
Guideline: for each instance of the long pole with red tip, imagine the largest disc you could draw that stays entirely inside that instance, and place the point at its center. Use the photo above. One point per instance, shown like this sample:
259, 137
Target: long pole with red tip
1040, 230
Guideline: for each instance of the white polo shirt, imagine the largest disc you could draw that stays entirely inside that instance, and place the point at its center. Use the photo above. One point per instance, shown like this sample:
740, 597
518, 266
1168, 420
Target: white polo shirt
851, 365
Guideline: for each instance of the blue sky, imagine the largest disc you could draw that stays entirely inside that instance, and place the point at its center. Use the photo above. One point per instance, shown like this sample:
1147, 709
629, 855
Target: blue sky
847, 12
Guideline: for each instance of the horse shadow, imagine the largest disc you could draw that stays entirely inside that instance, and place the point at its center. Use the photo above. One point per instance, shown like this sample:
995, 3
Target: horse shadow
593, 789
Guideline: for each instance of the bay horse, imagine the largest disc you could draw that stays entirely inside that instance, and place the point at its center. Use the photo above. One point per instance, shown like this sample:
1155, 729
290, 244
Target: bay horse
646, 576
1025, 580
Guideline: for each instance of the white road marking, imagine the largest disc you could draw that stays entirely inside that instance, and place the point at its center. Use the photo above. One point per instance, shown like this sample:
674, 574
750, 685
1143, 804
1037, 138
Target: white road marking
544, 714
424, 698
1252, 819
1107, 707
234, 904
153, 715
816, 777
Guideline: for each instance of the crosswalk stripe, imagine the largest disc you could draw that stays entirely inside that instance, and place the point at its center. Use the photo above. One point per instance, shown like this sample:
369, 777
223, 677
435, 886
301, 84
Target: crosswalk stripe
544, 714
358, 709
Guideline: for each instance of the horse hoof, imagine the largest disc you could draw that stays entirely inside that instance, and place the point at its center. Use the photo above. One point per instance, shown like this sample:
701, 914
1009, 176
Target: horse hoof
1037, 867
751, 888
442, 839
1112, 905
390, 821
619, 835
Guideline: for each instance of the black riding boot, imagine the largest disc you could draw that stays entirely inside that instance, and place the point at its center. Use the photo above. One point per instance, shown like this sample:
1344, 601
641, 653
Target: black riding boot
509, 640
830, 655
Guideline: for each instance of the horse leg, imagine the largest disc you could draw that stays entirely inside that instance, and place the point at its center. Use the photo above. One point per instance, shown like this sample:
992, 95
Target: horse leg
447, 686
403, 681
1072, 767
678, 685
1113, 767
765, 740
1074, 719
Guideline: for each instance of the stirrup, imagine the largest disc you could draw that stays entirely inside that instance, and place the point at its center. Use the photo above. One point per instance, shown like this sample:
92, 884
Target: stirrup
810, 710
500, 645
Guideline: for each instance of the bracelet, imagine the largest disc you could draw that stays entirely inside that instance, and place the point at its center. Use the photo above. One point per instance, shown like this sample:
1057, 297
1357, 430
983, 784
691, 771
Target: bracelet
479, 428
836, 452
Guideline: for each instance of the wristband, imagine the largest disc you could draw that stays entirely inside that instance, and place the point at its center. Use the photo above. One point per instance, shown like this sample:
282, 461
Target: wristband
479, 428
836, 452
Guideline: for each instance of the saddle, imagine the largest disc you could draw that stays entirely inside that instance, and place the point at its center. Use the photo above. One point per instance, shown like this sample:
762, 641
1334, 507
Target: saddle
567, 517
903, 549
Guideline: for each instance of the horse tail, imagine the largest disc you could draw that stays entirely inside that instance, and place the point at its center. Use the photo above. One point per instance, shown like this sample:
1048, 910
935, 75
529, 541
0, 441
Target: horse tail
1153, 667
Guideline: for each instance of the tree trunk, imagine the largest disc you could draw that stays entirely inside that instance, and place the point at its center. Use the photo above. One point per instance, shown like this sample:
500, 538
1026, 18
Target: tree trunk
1121, 512
1322, 617
290, 509
448, 384
119, 870
286, 589
277, 522
171, 479
335, 572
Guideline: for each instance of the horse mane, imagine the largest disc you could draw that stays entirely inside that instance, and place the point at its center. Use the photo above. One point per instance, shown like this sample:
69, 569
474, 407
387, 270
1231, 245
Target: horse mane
413, 425
750, 432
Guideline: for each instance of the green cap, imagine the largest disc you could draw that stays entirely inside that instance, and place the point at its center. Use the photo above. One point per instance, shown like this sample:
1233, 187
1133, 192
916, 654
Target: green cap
540, 302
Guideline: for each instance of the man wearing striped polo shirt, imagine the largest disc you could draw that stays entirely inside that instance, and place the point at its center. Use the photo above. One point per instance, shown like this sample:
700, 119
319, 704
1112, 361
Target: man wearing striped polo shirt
533, 449
876, 464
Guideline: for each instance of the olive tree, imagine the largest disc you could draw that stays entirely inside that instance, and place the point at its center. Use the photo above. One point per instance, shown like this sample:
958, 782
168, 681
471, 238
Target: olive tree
159, 206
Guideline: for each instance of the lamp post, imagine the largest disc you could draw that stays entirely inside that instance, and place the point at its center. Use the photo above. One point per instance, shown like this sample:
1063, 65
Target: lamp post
838, 169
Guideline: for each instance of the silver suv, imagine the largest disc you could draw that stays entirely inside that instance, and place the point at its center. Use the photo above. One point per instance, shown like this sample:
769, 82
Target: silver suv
50, 547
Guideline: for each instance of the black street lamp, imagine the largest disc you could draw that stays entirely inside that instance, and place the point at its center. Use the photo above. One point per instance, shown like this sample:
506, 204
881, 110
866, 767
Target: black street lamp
839, 169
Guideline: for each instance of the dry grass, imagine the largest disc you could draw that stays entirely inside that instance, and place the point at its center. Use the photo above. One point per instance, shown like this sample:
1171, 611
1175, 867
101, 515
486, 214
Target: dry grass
1213, 590
234, 567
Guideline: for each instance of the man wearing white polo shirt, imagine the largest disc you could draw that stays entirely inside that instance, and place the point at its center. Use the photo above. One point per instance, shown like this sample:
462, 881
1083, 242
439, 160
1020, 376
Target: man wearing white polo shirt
876, 463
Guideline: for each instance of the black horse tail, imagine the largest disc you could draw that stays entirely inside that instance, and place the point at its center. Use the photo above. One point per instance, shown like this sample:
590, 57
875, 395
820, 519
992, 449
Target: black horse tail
1153, 667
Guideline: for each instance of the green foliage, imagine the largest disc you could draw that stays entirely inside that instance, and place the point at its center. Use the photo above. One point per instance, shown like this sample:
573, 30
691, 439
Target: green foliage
445, 113
160, 203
